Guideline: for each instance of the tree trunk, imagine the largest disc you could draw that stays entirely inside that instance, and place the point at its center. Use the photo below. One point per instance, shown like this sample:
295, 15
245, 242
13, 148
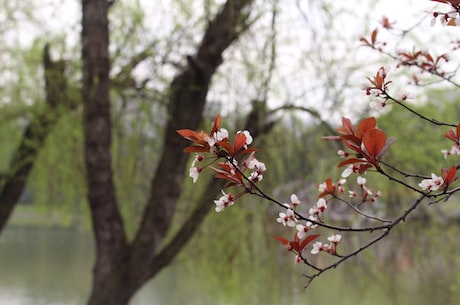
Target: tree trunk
122, 268
33, 138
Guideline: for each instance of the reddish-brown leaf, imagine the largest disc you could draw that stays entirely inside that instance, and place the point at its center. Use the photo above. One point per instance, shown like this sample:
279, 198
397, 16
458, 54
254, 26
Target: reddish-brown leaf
190, 135
216, 124
240, 141
364, 40
364, 167
353, 145
284, 241
450, 176
247, 151
374, 140
329, 185
347, 127
226, 145
374, 36
350, 161
365, 125
295, 246
308, 240
196, 149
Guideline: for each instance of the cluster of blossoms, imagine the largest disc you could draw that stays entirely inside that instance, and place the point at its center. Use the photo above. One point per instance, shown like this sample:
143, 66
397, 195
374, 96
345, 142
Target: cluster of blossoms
447, 177
290, 218
329, 188
423, 60
450, 18
367, 142
366, 193
238, 159
433, 184
454, 136
379, 86
440, 182
330, 248
379, 103
453, 151
224, 201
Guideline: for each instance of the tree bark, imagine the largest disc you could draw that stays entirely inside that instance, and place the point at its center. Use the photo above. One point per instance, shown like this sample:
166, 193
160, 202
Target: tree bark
112, 256
33, 138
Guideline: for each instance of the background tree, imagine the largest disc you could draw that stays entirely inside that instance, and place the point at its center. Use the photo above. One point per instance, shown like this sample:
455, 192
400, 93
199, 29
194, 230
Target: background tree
122, 267
14, 180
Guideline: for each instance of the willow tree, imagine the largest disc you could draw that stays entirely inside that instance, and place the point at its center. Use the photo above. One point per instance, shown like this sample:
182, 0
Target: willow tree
13, 183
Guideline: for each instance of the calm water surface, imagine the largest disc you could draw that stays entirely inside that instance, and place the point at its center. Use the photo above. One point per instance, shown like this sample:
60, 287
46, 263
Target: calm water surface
52, 267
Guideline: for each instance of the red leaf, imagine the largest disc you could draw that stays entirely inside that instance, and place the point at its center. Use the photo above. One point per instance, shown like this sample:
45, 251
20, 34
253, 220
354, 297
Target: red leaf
354, 144
452, 173
449, 176
216, 124
284, 241
428, 57
247, 151
190, 135
452, 22
451, 135
329, 185
364, 167
347, 127
364, 40
350, 161
228, 173
192, 149
374, 140
295, 246
226, 145
308, 240
364, 126
240, 141
374, 36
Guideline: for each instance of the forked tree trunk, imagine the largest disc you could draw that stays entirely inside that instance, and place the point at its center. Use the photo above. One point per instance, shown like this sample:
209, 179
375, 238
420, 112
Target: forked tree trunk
121, 268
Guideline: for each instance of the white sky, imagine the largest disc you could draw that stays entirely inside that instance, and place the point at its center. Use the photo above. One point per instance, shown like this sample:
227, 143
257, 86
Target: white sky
62, 16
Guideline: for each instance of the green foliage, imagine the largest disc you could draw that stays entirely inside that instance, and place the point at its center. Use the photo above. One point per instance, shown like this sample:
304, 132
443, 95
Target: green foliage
417, 149
294, 151
418, 144
57, 180
235, 245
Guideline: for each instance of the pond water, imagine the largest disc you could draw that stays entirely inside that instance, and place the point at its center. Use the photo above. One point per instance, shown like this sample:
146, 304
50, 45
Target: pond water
40, 266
